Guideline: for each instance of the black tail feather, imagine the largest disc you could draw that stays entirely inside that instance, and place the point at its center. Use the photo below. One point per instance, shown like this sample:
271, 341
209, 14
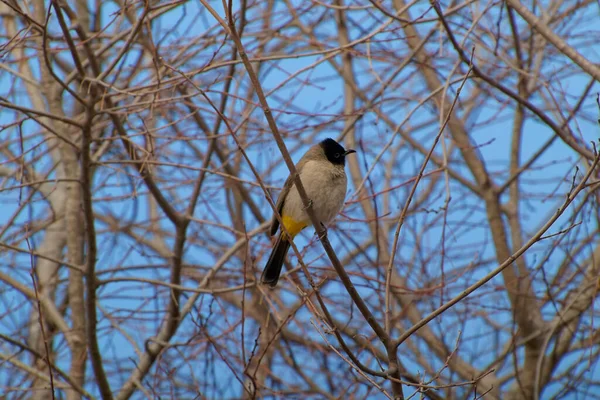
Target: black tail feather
272, 270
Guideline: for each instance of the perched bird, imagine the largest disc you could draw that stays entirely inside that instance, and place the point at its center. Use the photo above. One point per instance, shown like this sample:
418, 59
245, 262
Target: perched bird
323, 176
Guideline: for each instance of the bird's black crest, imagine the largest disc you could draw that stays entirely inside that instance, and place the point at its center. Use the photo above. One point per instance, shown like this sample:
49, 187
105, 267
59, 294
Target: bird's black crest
334, 151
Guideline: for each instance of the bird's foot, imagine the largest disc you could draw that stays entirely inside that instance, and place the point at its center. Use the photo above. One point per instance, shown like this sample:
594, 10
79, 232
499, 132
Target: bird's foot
309, 205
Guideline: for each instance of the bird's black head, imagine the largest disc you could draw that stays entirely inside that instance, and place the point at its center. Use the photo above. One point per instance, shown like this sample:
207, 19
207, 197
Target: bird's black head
334, 151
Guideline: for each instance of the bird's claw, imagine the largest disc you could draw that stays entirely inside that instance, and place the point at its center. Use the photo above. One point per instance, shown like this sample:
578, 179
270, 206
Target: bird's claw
309, 205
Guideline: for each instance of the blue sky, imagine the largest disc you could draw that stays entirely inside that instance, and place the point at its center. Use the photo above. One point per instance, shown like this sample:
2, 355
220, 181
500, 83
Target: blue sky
548, 180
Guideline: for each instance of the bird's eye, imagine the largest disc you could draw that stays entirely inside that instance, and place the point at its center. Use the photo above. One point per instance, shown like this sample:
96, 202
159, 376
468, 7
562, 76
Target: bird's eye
337, 155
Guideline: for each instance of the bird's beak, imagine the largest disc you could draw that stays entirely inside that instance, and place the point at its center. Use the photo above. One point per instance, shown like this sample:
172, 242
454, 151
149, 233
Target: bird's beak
349, 151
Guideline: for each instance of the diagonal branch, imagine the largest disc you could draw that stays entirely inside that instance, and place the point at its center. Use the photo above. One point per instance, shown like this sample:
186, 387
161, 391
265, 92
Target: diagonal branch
556, 40
583, 184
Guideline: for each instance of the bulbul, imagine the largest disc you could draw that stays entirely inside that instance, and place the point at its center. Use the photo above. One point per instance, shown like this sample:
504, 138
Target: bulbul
323, 176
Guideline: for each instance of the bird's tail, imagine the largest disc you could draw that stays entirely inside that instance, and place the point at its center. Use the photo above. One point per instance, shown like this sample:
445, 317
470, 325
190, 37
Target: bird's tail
272, 270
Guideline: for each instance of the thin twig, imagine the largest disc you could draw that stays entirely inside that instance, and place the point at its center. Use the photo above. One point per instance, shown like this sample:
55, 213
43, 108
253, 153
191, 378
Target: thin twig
534, 239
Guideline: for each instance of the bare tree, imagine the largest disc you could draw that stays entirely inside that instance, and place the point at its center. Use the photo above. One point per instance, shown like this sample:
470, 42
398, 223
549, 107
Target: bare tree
144, 143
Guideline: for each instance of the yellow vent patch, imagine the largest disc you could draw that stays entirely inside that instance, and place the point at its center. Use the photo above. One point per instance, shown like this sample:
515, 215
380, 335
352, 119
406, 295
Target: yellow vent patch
293, 227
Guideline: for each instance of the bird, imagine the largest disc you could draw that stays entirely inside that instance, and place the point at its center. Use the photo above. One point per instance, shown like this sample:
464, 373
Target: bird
321, 170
